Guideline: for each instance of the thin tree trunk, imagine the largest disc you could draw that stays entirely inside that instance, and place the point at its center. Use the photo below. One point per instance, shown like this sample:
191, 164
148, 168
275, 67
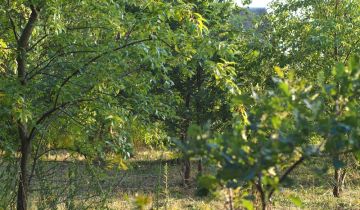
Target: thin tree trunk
342, 180
200, 167
187, 170
336, 189
24, 138
262, 196
23, 187
231, 199
263, 200
187, 164
262, 193
339, 178
199, 82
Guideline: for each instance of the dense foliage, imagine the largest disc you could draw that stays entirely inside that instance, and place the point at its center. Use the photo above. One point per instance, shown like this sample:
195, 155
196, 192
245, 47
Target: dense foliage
251, 96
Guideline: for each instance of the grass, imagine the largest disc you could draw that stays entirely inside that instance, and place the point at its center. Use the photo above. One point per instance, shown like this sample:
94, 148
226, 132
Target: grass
154, 179
314, 188
312, 184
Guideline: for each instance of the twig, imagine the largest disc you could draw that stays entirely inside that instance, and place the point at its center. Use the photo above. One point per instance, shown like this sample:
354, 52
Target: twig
93, 60
287, 172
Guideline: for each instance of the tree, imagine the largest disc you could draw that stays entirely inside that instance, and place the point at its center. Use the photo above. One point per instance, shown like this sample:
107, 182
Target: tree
58, 65
201, 85
270, 136
312, 37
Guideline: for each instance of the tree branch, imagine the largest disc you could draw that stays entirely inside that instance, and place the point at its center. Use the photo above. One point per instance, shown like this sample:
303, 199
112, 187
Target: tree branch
47, 114
23, 44
75, 73
13, 27
25, 35
287, 172
36, 43
261, 191
351, 50
37, 71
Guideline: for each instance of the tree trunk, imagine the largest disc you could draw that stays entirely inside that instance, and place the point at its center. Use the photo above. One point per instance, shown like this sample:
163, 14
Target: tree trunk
199, 82
24, 138
187, 170
231, 199
200, 167
339, 178
187, 164
261, 194
263, 200
23, 188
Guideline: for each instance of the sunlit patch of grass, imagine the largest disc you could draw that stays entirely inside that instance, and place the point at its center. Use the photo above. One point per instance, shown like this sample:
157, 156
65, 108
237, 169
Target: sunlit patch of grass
175, 202
62, 156
313, 183
144, 154
318, 198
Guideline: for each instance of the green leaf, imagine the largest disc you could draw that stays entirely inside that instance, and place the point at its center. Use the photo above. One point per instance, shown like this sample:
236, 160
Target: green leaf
207, 181
247, 204
279, 72
276, 122
296, 200
321, 77
357, 155
284, 88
